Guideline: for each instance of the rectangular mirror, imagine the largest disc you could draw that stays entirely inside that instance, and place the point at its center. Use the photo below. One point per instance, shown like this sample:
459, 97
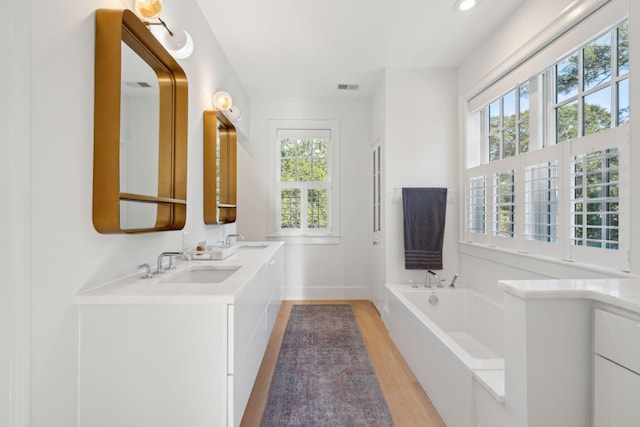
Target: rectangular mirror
220, 148
140, 129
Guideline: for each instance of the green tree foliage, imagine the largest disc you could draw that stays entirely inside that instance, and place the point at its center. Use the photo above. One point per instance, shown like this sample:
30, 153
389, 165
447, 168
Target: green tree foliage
304, 160
505, 204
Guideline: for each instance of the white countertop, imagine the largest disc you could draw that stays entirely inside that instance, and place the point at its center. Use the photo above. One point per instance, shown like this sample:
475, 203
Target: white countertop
623, 293
134, 290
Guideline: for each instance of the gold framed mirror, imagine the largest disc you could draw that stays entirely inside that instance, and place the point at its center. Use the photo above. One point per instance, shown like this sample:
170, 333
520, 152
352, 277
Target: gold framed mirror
140, 129
220, 169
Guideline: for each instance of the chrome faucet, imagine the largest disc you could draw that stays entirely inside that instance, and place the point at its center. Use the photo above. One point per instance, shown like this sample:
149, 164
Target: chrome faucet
147, 273
431, 278
227, 239
171, 255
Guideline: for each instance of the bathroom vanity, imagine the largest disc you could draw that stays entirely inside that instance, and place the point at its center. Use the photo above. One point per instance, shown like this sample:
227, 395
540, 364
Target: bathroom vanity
173, 350
616, 370
585, 332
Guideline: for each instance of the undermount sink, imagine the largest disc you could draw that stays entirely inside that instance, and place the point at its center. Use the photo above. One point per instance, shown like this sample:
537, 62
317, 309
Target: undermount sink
250, 246
203, 275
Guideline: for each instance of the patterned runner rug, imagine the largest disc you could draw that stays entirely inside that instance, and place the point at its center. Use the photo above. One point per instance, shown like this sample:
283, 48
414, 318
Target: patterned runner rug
323, 376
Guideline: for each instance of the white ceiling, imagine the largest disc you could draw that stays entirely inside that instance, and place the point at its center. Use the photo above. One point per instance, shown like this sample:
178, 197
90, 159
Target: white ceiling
308, 47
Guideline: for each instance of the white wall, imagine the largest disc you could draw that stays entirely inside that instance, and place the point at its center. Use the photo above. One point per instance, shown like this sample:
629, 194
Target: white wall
480, 266
530, 19
67, 254
15, 288
421, 150
313, 270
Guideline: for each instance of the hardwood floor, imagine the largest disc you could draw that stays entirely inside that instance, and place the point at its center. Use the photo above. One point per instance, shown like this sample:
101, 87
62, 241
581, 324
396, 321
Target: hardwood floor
409, 404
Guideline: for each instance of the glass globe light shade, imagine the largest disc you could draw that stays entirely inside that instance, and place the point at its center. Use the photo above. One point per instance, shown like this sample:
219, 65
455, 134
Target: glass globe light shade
148, 9
233, 113
179, 45
222, 100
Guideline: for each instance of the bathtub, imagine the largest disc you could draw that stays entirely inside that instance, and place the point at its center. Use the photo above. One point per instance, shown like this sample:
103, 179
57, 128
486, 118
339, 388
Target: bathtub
444, 341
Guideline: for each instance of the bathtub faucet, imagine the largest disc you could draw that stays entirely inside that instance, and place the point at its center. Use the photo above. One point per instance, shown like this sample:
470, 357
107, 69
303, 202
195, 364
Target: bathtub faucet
431, 279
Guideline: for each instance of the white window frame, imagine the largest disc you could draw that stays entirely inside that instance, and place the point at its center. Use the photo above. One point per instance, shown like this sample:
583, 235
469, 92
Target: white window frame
330, 235
543, 148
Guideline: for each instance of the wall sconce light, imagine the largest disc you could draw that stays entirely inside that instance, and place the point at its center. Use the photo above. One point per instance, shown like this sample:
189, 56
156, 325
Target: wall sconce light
222, 100
464, 5
148, 9
176, 40
233, 113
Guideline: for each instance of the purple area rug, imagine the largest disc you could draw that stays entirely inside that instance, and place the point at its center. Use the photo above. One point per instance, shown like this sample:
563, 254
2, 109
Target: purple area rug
323, 376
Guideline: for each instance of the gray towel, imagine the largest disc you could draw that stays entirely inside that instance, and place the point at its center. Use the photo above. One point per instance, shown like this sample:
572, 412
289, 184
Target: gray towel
424, 217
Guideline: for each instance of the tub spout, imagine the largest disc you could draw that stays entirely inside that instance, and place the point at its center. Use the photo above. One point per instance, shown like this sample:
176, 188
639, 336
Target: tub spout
431, 278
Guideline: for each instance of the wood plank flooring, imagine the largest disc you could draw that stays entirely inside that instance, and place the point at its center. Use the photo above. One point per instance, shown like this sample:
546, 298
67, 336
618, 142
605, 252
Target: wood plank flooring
409, 404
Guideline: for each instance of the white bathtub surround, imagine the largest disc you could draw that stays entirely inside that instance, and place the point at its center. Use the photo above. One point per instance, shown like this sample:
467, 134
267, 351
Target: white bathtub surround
445, 343
164, 353
544, 332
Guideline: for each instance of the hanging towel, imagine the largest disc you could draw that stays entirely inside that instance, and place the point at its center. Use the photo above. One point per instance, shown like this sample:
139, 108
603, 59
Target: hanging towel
424, 217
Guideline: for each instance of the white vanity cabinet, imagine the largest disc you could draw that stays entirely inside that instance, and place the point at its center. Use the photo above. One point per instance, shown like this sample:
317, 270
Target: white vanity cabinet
251, 317
162, 356
616, 384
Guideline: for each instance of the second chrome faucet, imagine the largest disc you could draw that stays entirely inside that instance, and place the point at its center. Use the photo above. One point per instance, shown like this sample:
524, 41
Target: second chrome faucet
171, 255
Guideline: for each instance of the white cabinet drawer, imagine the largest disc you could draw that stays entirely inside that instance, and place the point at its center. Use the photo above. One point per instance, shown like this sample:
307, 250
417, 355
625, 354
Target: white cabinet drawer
616, 397
617, 338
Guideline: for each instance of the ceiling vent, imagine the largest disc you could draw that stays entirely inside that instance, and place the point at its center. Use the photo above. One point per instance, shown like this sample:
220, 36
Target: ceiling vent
343, 86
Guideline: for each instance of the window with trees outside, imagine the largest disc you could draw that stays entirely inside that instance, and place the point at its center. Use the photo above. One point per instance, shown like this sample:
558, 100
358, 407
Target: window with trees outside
304, 195
554, 148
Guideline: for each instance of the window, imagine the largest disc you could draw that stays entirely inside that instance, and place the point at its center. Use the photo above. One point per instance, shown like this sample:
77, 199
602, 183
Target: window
377, 188
509, 124
553, 147
504, 204
595, 203
478, 205
541, 202
304, 178
592, 86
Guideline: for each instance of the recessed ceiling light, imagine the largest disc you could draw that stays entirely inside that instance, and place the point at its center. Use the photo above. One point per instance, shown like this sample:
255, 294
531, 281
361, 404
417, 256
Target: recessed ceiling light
464, 5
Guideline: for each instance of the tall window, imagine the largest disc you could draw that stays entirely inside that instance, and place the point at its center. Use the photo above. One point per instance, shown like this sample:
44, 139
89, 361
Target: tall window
553, 147
304, 180
504, 204
595, 203
508, 124
541, 202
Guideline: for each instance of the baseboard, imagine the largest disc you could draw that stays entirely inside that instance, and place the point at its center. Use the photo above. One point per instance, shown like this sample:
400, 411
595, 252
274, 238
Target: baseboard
324, 293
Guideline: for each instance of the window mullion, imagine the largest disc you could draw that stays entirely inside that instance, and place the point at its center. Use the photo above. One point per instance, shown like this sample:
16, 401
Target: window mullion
304, 208
581, 117
519, 195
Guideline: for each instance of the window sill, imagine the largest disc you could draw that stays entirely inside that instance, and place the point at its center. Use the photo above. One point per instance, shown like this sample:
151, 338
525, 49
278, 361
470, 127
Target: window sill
306, 240
535, 263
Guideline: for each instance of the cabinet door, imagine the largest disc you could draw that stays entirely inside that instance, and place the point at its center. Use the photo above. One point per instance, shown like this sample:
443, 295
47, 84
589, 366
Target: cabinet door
616, 395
